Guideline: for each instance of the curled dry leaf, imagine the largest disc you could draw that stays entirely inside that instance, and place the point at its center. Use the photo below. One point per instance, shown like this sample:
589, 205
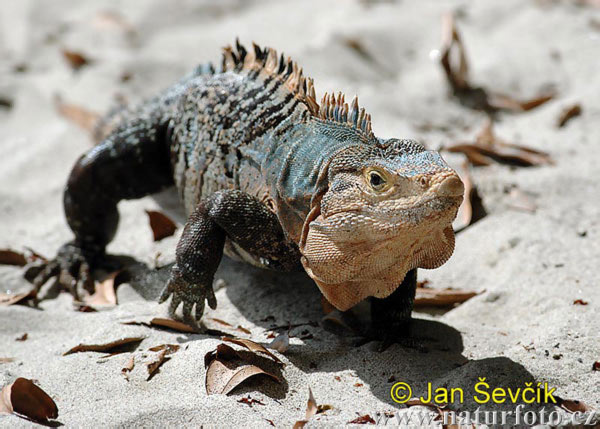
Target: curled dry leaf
596, 366
22, 337
10, 257
358, 48
488, 148
162, 226
441, 297
363, 420
505, 102
580, 302
222, 379
471, 209
311, 410
7, 299
156, 362
118, 346
128, 367
170, 348
252, 346
280, 343
104, 293
23, 397
75, 59
173, 324
80, 116
226, 369
573, 405
456, 71
567, 114
229, 325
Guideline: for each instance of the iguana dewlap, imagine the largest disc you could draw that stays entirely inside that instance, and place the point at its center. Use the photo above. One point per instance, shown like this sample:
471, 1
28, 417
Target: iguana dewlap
268, 175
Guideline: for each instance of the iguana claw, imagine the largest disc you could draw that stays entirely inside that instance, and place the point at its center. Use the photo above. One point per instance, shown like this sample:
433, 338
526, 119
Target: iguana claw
189, 293
71, 267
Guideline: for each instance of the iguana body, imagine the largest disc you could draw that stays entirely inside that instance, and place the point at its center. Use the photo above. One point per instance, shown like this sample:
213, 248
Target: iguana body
270, 176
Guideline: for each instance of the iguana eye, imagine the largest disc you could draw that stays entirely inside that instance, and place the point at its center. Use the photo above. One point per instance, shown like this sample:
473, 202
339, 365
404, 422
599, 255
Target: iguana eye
376, 178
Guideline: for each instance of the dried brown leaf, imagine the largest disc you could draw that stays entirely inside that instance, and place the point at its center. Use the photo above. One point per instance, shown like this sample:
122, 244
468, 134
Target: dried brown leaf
465, 211
580, 302
105, 290
573, 405
128, 367
80, 116
596, 366
156, 362
488, 148
11, 257
173, 324
442, 297
226, 369
567, 114
252, 346
363, 420
170, 348
22, 337
323, 408
506, 102
311, 409
7, 299
311, 405
359, 49
75, 59
456, 71
457, 74
23, 397
222, 378
229, 325
162, 226
124, 344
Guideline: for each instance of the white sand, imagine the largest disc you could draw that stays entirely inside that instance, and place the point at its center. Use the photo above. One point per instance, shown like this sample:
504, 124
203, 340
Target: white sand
531, 266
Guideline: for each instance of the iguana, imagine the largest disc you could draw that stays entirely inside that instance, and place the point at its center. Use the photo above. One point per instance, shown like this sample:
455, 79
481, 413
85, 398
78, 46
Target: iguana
270, 176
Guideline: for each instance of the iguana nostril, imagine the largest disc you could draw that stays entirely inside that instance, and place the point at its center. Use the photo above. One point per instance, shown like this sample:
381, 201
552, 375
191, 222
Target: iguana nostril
451, 187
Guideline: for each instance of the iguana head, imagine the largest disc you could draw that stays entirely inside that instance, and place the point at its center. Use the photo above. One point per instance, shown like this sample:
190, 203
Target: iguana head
388, 208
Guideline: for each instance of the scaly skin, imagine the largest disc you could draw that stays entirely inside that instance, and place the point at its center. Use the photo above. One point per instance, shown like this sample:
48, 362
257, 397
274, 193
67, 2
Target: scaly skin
268, 175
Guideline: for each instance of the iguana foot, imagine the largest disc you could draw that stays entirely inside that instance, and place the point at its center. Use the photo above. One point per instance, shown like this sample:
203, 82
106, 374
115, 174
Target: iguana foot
189, 293
72, 268
386, 336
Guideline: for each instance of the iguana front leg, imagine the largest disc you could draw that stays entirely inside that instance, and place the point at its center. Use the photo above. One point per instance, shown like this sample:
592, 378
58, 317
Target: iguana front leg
391, 316
225, 214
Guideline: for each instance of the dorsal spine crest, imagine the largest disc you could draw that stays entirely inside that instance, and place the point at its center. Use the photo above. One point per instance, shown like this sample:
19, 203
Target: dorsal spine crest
266, 61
